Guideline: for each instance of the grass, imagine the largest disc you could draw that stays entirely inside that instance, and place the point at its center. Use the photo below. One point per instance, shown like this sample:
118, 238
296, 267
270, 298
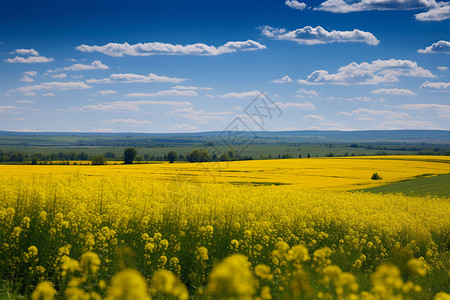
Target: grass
432, 185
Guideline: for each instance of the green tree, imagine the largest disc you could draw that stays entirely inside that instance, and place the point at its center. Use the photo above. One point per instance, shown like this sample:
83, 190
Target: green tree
224, 157
98, 160
128, 155
197, 155
172, 156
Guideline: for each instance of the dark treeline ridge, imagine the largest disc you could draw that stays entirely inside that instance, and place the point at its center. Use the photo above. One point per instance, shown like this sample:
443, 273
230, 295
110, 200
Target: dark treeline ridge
195, 155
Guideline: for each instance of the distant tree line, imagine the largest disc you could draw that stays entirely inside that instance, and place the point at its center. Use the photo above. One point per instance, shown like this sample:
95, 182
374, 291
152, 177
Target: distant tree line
195, 155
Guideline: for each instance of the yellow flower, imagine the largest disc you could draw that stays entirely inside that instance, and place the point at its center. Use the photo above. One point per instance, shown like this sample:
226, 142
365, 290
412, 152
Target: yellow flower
202, 253
90, 262
232, 278
128, 284
32, 251
165, 284
263, 272
417, 267
442, 296
44, 291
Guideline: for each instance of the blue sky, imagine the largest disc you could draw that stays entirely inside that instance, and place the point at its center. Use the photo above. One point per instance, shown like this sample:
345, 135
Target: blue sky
179, 66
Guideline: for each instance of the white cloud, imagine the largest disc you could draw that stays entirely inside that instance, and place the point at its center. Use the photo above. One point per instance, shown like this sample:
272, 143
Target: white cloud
70, 85
363, 99
62, 75
131, 78
103, 130
313, 118
438, 13
295, 4
347, 6
183, 127
309, 93
31, 52
199, 116
372, 112
30, 73
284, 79
406, 124
194, 88
442, 68
31, 59
164, 93
442, 109
25, 78
435, 85
127, 106
31, 94
317, 35
107, 92
5, 108
25, 101
95, 65
127, 122
401, 92
240, 95
146, 49
438, 47
49, 95
301, 106
378, 71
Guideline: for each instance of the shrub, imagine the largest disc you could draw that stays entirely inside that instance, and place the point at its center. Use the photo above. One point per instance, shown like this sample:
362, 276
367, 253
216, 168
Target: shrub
376, 176
98, 160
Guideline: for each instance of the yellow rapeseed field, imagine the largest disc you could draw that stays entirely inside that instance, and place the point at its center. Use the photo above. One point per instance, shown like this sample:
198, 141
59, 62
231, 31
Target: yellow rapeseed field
174, 231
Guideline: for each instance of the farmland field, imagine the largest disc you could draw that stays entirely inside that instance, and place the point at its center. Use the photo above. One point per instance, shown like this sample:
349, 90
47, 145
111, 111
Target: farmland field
268, 229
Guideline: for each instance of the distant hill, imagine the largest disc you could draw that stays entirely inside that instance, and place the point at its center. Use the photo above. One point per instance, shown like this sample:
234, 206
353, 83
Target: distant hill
314, 136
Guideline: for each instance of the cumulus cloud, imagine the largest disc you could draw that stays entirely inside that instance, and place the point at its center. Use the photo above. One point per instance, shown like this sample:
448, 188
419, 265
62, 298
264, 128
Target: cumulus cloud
156, 48
131, 78
438, 13
406, 124
5, 108
30, 73
164, 93
372, 112
62, 75
438, 47
25, 78
183, 127
31, 52
284, 79
442, 110
240, 95
32, 94
313, 118
194, 88
317, 35
442, 68
127, 106
199, 116
308, 92
31, 59
49, 95
295, 4
301, 106
95, 65
107, 92
435, 85
378, 71
347, 6
127, 122
70, 85
401, 92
